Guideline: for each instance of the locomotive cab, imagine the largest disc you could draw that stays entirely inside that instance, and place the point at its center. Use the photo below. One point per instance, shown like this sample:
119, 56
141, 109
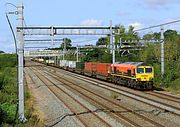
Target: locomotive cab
144, 73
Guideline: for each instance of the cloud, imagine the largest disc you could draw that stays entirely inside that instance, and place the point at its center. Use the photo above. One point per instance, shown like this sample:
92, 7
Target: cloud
136, 25
123, 13
91, 22
7, 45
156, 2
160, 3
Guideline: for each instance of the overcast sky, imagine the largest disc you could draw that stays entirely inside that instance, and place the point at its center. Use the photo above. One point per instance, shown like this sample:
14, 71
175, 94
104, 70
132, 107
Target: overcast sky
139, 13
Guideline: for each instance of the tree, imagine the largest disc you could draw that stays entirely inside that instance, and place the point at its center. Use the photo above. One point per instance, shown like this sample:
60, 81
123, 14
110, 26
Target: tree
157, 36
170, 35
67, 41
120, 28
131, 34
102, 41
148, 36
1, 51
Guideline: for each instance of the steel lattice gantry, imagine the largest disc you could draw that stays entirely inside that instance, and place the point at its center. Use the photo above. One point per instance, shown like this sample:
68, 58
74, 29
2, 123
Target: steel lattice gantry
51, 31
67, 30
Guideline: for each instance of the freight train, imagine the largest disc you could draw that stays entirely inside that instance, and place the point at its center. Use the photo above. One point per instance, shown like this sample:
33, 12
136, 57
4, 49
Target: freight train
137, 75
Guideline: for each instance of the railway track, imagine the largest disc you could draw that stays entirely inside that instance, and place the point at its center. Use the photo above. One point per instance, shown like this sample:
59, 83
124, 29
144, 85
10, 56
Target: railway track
128, 115
165, 96
87, 117
146, 100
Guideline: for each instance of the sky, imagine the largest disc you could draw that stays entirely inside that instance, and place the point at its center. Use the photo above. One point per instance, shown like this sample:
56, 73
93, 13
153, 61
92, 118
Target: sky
139, 13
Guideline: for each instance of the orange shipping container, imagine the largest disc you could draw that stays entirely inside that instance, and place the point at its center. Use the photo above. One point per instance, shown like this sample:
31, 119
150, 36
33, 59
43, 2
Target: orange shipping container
102, 68
98, 68
90, 67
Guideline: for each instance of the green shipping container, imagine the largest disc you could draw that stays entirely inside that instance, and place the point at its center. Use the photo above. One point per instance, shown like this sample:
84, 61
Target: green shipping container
80, 65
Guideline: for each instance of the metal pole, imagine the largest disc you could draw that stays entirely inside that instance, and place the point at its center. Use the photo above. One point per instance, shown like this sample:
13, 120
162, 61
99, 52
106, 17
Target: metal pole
49, 60
63, 54
20, 42
111, 41
77, 53
162, 55
64, 49
111, 37
113, 49
112, 46
120, 45
65, 44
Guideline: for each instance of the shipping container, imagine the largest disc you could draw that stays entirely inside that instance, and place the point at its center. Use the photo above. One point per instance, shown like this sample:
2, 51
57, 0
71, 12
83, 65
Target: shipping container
102, 68
80, 65
72, 64
90, 67
50, 61
40, 60
62, 63
99, 70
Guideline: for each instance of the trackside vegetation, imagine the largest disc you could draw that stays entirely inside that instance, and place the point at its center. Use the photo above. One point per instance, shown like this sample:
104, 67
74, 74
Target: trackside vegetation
8, 94
7, 88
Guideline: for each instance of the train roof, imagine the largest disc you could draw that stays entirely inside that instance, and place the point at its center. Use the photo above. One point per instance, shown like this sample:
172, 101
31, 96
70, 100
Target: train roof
133, 63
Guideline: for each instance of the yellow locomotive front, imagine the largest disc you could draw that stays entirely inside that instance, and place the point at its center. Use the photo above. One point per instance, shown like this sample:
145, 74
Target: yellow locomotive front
145, 75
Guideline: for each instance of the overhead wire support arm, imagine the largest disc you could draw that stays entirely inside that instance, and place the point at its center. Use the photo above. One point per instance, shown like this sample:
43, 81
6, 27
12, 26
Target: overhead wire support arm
67, 30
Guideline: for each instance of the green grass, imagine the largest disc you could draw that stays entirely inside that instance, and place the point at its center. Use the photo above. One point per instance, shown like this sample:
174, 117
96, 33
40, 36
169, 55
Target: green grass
175, 86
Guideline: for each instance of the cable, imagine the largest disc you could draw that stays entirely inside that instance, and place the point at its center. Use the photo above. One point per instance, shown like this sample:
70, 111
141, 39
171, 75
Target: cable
14, 37
85, 40
158, 25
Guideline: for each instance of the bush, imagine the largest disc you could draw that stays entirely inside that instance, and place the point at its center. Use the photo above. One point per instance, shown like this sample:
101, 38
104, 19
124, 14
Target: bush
8, 112
7, 88
7, 60
2, 115
1, 80
114, 95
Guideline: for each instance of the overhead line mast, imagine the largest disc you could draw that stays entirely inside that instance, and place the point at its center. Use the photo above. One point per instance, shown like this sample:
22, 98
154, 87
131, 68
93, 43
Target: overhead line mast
20, 45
